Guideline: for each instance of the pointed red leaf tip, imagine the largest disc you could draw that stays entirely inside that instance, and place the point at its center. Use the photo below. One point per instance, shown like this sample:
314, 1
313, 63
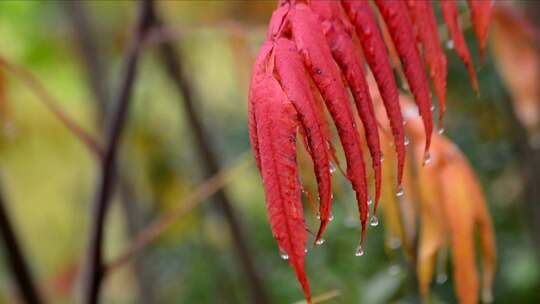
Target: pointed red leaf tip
451, 18
339, 37
376, 56
295, 83
310, 40
480, 18
425, 23
276, 124
399, 24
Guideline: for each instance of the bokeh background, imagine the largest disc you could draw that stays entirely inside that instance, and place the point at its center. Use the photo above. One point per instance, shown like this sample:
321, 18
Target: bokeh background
48, 177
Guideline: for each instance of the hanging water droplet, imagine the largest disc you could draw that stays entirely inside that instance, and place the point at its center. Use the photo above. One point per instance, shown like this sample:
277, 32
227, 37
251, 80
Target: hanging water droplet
487, 295
318, 216
432, 108
305, 250
331, 218
284, 255
406, 141
332, 167
441, 131
382, 157
400, 191
370, 201
374, 221
359, 251
319, 242
450, 44
427, 159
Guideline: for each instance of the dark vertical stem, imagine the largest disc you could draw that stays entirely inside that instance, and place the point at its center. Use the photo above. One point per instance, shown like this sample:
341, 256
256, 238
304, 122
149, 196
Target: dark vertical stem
94, 268
97, 75
15, 258
210, 164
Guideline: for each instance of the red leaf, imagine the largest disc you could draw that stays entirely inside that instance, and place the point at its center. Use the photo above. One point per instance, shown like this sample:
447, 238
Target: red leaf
450, 16
400, 27
481, 17
310, 40
427, 34
375, 53
276, 130
256, 92
290, 68
339, 38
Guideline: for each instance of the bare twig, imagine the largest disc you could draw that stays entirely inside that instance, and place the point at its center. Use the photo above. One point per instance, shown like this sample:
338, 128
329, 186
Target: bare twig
94, 268
159, 226
210, 165
52, 104
16, 260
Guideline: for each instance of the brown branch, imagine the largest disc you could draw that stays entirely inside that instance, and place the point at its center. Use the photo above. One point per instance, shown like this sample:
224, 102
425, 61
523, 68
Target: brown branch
210, 165
159, 226
36, 87
15, 258
94, 268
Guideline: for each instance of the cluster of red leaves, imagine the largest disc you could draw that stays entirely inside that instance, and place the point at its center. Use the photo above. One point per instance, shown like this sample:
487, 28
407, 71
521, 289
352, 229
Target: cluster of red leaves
311, 56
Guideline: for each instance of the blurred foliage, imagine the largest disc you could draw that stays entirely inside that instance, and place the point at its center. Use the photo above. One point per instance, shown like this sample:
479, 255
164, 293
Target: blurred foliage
48, 175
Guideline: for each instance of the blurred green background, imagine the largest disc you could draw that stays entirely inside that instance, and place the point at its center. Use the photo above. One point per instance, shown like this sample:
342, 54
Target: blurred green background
48, 176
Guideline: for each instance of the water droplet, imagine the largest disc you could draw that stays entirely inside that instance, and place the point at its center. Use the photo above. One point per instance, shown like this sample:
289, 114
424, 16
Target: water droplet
432, 108
394, 270
332, 167
441, 278
374, 221
450, 44
400, 191
427, 159
441, 131
359, 251
318, 216
406, 141
318, 71
394, 243
382, 157
370, 201
284, 255
319, 242
331, 218
487, 295
305, 250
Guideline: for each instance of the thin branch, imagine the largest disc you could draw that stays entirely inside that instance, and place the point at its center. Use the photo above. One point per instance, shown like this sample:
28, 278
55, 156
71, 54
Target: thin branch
94, 268
210, 165
15, 258
36, 87
159, 226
